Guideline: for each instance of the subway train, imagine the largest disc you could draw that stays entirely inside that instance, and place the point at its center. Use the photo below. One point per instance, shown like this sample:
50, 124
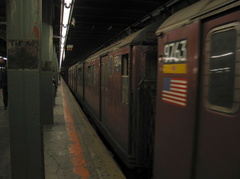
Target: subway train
117, 86
171, 105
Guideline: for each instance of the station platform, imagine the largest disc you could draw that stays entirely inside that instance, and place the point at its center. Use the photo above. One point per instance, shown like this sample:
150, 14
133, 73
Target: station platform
72, 148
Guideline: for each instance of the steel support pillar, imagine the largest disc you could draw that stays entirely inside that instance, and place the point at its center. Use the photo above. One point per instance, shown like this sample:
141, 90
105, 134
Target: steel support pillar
24, 68
47, 92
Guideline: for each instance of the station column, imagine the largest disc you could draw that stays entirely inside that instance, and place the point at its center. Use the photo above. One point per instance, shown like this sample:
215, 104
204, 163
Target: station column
24, 66
47, 89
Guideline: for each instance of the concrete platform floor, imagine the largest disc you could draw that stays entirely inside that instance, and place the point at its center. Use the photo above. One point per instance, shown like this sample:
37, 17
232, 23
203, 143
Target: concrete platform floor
72, 149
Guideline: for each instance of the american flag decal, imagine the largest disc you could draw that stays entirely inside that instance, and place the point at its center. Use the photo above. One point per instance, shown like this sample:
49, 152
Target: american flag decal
175, 91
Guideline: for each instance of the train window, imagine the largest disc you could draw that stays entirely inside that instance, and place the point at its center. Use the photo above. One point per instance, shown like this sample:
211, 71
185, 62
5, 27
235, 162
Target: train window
221, 69
80, 75
125, 78
125, 65
111, 66
117, 63
91, 74
106, 75
151, 65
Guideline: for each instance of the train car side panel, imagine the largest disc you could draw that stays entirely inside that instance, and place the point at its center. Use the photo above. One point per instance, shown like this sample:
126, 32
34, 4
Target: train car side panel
91, 86
104, 90
70, 77
117, 104
79, 92
73, 79
176, 102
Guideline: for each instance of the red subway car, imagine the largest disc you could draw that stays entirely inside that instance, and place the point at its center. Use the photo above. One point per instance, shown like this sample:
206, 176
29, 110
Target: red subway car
117, 87
189, 75
197, 126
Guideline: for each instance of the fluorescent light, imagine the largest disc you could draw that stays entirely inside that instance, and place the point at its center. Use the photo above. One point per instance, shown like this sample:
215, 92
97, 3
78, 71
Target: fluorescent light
68, 2
64, 32
4, 58
66, 16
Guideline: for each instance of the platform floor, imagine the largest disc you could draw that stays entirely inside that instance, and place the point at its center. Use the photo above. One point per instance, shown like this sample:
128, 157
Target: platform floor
72, 148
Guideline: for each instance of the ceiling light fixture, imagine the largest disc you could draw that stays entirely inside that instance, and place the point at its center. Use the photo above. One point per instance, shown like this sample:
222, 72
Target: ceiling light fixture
66, 15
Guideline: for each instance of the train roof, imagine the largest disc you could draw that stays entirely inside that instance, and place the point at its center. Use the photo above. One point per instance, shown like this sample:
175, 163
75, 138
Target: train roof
145, 35
199, 10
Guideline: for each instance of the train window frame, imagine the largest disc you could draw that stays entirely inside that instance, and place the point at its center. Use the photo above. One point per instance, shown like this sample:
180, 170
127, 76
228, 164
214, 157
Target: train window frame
111, 66
106, 74
236, 82
80, 74
117, 63
124, 78
91, 74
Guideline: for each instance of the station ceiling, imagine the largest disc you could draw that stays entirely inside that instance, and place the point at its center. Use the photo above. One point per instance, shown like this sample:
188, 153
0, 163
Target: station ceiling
98, 22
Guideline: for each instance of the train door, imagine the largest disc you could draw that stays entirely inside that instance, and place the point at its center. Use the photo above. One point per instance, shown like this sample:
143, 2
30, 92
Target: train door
70, 77
84, 79
74, 79
218, 151
80, 81
104, 87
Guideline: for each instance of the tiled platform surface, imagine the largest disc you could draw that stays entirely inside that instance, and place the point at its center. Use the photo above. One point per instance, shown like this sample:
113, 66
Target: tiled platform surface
72, 149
